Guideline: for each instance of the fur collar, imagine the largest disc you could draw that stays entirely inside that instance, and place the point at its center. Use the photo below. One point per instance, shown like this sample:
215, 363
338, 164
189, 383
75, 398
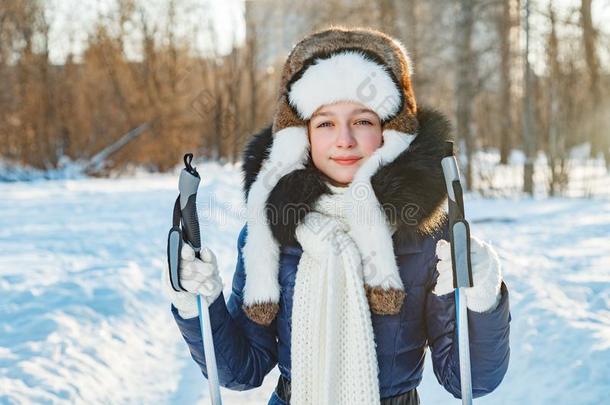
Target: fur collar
411, 188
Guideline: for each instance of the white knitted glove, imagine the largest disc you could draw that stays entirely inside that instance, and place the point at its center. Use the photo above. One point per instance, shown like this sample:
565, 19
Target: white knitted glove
197, 277
484, 295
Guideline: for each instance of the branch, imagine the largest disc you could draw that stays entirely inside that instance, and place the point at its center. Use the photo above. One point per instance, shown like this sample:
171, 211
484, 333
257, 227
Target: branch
98, 161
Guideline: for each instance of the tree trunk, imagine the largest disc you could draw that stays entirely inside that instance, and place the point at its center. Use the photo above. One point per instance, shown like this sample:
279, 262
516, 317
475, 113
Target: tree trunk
589, 37
504, 26
553, 146
464, 83
529, 142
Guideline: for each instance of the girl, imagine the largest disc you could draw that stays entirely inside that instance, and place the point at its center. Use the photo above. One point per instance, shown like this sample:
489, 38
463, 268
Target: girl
343, 273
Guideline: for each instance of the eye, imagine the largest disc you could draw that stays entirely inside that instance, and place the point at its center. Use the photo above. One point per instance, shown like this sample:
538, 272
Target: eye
323, 124
367, 122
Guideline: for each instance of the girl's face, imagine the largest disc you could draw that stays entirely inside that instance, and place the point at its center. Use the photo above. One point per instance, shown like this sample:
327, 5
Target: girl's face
342, 136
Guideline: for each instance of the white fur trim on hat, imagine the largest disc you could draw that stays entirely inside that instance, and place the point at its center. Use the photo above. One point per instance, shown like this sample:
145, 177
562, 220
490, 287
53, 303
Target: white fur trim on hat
345, 76
289, 152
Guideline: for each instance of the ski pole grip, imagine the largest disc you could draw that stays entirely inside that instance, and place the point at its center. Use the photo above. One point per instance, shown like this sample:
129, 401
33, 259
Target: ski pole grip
188, 185
459, 230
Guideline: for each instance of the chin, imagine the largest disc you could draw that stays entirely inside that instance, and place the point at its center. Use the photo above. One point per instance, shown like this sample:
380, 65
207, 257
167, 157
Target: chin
343, 178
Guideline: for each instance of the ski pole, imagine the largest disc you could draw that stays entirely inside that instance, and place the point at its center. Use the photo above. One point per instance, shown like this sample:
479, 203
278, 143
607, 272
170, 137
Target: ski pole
459, 235
185, 214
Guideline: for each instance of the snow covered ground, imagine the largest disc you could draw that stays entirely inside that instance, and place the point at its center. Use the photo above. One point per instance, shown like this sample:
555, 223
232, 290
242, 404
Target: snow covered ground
83, 318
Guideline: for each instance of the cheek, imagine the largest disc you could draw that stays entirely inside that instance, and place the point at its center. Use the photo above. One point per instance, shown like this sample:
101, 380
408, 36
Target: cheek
370, 142
320, 147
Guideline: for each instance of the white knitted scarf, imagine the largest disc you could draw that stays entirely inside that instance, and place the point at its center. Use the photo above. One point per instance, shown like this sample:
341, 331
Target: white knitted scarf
333, 346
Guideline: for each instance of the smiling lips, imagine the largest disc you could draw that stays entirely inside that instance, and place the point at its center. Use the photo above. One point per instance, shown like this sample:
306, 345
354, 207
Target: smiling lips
346, 160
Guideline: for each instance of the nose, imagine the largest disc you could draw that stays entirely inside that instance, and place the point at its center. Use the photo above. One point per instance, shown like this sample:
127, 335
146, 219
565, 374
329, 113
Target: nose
345, 138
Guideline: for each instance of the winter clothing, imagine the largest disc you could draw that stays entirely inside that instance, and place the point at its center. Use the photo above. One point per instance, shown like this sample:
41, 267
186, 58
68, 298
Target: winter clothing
331, 322
246, 351
484, 295
197, 276
400, 190
358, 65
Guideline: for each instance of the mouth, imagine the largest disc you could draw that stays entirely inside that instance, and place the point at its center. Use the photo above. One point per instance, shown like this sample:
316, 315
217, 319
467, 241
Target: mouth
346, 161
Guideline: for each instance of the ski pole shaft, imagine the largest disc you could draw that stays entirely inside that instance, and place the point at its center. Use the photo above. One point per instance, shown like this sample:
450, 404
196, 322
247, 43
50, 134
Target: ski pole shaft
463, 346
459, 235
188, 185
210, 355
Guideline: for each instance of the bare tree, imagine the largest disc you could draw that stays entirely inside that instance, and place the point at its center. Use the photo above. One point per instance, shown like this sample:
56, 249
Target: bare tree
598, 135
465, 70
181, 97
556, 145
505, 23
529, 136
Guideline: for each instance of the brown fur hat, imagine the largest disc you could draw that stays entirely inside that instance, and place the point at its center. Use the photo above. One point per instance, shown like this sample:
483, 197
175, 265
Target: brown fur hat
372, 45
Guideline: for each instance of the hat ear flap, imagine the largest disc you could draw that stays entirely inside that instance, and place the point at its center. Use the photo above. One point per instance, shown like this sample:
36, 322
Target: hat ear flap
285, 116
289, 152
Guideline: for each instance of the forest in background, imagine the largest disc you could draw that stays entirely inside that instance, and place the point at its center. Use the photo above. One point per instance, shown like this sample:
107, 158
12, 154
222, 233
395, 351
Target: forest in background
512, 75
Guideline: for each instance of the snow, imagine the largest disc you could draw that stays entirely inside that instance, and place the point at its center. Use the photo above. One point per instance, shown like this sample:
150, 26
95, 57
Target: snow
67, 169
556, 264
83, 317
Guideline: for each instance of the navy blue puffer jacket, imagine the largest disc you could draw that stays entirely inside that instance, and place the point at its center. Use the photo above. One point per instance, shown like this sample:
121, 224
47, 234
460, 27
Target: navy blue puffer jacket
247, 351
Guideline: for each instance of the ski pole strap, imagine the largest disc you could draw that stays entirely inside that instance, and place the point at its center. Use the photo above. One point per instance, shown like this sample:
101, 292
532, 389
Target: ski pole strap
174, 248
176, 215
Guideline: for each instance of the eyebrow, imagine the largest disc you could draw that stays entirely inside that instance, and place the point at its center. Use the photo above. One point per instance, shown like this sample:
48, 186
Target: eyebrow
357, 111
